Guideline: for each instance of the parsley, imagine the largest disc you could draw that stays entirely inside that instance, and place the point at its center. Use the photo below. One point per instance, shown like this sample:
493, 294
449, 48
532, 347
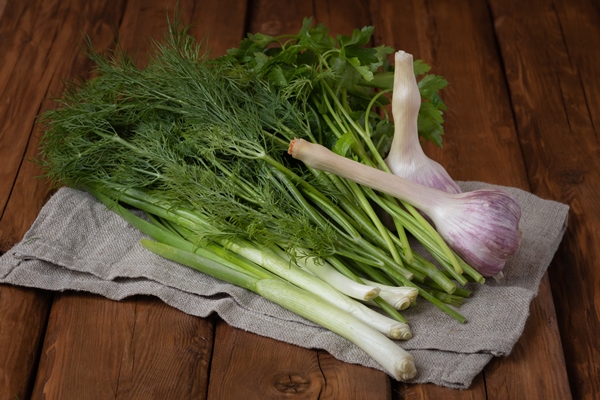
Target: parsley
301, 64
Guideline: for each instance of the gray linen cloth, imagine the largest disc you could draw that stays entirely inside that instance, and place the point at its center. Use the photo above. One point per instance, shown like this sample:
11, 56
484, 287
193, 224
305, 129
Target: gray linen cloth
77, 244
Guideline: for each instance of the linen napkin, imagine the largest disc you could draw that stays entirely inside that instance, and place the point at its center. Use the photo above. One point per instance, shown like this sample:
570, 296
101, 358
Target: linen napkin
77, 244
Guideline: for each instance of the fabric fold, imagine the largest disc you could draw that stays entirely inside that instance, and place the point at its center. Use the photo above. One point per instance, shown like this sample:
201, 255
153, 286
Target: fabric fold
77, 244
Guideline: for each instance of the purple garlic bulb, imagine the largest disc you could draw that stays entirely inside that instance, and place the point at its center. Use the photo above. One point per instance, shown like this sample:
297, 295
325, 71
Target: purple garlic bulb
482, 226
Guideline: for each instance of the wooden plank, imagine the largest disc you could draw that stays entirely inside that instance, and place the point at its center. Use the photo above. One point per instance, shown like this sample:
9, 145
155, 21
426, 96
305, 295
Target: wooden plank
552, 75
170, 357
273, 17
428, 391
156, 351
114, 350
342, 17
278, 369
23, 316
350, 381
51, 55
457, 40
221, 23
75, 361
42, 46
246, 366
28, 73
249, 366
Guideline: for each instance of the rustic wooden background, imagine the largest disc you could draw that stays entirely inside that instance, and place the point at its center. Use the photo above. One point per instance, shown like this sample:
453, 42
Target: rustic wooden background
524, 111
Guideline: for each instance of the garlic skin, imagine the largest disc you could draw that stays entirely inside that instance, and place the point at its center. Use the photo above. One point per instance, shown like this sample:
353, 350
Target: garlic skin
406, 157
482, 227
427, 172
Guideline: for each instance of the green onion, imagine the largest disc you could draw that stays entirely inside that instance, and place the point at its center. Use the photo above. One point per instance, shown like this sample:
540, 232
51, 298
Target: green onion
390, 356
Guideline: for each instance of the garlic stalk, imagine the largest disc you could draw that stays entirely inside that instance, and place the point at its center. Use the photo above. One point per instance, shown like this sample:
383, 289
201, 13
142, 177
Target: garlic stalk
406, 157
482, 226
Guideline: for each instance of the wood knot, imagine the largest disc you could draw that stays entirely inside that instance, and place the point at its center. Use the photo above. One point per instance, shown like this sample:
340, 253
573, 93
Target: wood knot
291, 383
573, 177
273, 27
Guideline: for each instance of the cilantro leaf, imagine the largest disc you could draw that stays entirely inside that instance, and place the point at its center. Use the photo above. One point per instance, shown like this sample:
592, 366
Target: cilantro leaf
430, 122
360, 37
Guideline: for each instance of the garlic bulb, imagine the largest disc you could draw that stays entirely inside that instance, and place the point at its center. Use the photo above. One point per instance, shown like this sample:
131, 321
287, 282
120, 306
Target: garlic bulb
406, 157
482, 226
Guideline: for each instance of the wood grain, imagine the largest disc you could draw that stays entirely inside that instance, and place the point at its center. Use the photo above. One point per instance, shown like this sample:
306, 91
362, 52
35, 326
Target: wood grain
114, 351
273, 17
480, 136
77, 362
48, 55
2, 6
36, 56
23, 315
476, 391
552, 75
42, 48
251, 367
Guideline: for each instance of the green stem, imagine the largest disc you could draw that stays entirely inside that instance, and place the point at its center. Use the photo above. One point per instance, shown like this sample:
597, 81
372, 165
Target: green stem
424, 232
361, 152
202, 264
435, 301
343, 219
383, 231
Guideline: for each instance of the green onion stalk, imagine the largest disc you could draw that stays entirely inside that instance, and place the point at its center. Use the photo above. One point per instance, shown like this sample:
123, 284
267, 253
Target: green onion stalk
170, 242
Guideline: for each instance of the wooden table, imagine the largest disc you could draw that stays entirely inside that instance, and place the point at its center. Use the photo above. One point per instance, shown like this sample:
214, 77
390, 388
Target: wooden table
524, 111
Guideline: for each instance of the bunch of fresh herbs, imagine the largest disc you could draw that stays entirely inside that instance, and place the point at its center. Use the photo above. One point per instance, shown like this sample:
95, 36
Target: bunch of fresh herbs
200, 144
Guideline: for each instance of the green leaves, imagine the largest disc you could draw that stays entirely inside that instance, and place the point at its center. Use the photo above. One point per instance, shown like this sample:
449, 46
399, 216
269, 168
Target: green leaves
278, 59
315, 38
343, 145
360, 37
299, 65
249, 47
430, 118
205, 142
430, 123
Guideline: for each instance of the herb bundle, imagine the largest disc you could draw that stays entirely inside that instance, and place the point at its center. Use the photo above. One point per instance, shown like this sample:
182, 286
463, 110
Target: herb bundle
201, 146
